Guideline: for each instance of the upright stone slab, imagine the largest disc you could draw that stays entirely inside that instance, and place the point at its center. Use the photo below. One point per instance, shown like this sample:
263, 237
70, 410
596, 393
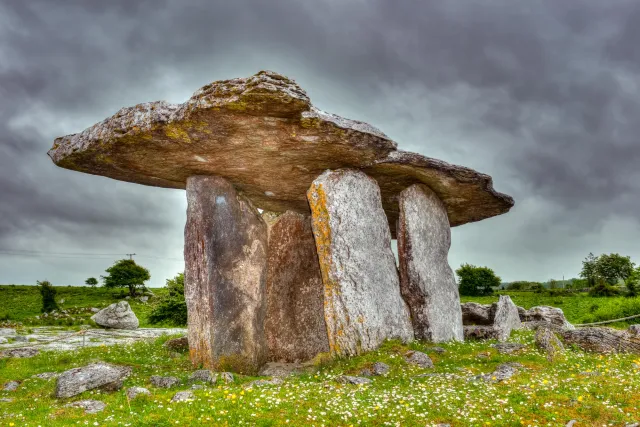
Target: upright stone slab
427, 283
505, 317
225, 273
295, 328
363, 306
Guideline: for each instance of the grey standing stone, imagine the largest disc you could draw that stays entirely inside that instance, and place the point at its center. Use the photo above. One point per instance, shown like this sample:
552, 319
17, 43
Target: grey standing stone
418, 358
133, 392
295, 328
103, 375
164, 382
89, 406
427, 283
225, 276
363, 305
506, 318
117, 316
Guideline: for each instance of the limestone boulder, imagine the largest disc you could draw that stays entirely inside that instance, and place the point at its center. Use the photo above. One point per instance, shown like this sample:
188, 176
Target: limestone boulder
546, 314
97, 375
225, 277
427, 283
474, 313
90, 406
295, 328
117, 316
363, 305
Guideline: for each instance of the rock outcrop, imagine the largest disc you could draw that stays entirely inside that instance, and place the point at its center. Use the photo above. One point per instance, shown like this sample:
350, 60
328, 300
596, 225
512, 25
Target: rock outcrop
363, 305
603, 340
117, 316
295, 328
225, 277
427, 283
97, 375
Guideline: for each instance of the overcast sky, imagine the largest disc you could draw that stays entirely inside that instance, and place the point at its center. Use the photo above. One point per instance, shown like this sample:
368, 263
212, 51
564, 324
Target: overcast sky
542, 95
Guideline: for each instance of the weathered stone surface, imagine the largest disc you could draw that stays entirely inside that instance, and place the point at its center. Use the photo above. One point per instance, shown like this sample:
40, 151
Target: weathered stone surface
474, 313
183, 396
264, 136
20, 352
164, 382
481, 332
506, 317
46, 375
543, 313
133, 392
11, 386
536, 325
103, 375
262, 383
3, 340
227, 377
634, 329
177, 344
281, 370
363, 306
502, 372
547, 341
295, 328
203, 375
418, 358
427, 283
117, 316
7, 332
89, 406
603, 340
377, 369
348, 379
508, 347
225, 274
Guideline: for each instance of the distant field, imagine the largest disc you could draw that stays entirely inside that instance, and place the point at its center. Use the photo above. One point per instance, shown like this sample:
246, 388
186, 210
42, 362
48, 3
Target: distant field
22, 303
579, 308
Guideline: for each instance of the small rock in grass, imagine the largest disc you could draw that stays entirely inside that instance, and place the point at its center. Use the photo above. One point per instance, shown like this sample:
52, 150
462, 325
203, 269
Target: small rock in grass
260, 383
503, 372
571, 423
20, 352
546, 340
89, 406
634, 329
177, 344
418, 358
203, 375
508, 347
11, 386
133, 392
96, 375
227, 377
632, 425
46, 375
6, 400
376, 369
164, 382
348, 379
183, 396
197, 387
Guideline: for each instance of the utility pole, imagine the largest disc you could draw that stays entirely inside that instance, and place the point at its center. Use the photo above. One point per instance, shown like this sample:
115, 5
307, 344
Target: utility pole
130, 256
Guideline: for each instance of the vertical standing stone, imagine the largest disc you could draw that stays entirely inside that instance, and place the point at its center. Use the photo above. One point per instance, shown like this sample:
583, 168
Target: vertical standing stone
295, 328
363, 305
426, 280
225, 273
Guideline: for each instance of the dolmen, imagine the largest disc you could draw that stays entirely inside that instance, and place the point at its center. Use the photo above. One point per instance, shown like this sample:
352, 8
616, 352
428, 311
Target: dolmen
291, 212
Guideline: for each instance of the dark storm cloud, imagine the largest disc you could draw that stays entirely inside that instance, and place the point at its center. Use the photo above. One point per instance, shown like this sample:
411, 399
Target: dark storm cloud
542, 95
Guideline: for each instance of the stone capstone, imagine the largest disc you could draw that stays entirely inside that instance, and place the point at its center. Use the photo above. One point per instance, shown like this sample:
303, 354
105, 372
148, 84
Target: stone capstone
225, 277
97, 375
427, 283
362, 301
89, 406
117, 316
263, 135
295, 328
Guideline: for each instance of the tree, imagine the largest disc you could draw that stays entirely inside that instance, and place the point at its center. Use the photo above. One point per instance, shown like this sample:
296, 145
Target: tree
126, 274
172, 307
589, 269
613, 268
476, 281
48, 293
91, 281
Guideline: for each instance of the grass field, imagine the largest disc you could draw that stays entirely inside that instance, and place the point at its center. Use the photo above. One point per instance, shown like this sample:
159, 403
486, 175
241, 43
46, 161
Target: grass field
592, 389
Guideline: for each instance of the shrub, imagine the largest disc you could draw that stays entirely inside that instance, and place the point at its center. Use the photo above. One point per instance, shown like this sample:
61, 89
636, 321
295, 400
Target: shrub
172, 307
476, 281
48, 293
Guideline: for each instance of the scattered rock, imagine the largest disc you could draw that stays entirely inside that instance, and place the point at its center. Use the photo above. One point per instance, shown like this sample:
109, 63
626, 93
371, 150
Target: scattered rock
203, 375
418, 358
183, 396
6, 332
89, 406
545, 314
133, 392
508, 347
103, 375
20, 352
164, 382
376, 369
46, 375
503, 372
227, 377
225, 256
178, 344
197, 387
362, 302
117, 316
11, 386
260, 383
348, 379
603, 340
546, 340
506, 317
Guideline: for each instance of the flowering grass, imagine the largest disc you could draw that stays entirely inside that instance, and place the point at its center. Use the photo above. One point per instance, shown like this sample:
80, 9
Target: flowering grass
592, 389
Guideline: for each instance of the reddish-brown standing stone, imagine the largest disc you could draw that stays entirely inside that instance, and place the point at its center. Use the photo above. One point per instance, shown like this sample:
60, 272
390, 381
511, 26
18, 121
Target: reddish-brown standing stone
295, 328
225, 273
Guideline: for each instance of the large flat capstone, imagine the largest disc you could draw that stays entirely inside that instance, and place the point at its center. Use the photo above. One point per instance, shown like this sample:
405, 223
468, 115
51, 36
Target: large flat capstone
295, 328
363, 306
225, 277
426, 280
263, 135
